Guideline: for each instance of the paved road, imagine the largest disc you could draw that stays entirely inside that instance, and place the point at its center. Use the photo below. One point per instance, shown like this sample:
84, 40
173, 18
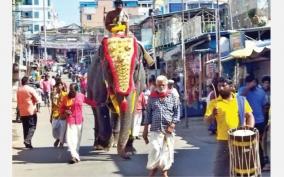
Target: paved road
194, 153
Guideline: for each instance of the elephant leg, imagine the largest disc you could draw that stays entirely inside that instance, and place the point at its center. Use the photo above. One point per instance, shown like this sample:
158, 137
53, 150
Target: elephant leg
129, 145
102, 128
115, 128
96, 128
125, 126
97, 144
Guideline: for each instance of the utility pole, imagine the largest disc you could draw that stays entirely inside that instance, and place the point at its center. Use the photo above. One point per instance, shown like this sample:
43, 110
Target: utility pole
231, 17
14, 32
82, 32
154, 38
218, 39
184, 65
44, 29
15, 20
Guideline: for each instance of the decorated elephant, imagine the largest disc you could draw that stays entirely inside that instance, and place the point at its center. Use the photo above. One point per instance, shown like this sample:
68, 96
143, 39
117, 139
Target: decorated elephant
116, 78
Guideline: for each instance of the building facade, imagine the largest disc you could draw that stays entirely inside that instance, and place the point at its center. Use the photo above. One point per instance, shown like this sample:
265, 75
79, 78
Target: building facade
92, 13
32, 15
67, 43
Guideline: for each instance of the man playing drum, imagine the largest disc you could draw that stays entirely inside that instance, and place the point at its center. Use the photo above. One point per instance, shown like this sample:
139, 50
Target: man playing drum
224, 109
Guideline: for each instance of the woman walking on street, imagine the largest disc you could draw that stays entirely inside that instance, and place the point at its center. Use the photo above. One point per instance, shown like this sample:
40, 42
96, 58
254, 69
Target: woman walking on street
71, 108
58, 122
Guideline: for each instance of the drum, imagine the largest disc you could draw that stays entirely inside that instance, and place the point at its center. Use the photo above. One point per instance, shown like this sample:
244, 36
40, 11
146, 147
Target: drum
244, 152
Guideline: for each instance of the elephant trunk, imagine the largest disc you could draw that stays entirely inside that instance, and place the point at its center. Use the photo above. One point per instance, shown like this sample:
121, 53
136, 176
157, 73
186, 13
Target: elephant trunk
125, 129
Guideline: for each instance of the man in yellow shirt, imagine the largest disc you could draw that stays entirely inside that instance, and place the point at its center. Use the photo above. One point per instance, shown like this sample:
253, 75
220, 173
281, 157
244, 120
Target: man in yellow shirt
224, 109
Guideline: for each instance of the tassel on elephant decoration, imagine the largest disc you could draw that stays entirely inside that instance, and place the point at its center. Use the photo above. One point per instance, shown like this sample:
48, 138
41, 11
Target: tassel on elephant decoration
123, 105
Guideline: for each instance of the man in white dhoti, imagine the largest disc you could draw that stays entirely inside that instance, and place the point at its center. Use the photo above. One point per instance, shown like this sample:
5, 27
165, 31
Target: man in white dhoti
162, 114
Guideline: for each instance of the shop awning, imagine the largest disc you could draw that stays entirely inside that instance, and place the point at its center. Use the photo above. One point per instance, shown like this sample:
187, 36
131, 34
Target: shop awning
249, 52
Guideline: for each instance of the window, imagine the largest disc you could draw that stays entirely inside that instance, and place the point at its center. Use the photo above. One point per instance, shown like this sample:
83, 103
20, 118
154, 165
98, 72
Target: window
30, 28
175, 7
36, 2
49, 15
144, 5
28, 2
48, 3
192, 6
131, 4
27, 14
205, 5
36, 28
89, 17
36, 15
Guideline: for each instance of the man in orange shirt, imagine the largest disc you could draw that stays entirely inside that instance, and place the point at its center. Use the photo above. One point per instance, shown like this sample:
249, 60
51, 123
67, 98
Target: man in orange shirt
27, 99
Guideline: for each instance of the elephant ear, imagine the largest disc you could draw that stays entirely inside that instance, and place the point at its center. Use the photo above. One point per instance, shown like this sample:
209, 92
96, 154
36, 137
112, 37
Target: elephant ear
96, 89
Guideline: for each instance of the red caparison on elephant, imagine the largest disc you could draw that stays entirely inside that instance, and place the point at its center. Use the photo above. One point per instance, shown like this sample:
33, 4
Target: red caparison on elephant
116, 78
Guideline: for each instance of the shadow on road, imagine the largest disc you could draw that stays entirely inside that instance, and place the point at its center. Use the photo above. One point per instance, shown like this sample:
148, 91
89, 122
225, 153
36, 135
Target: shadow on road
41, 155
48, 154
182, 166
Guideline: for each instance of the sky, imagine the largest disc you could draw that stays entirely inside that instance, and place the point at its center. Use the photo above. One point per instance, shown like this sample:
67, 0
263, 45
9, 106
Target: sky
68, 11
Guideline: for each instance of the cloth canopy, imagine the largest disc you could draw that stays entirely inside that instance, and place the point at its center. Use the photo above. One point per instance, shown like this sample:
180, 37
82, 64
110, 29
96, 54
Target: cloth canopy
249, 52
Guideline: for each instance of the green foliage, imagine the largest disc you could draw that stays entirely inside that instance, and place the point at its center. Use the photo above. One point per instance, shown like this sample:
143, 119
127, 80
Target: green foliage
261, 23
251, 13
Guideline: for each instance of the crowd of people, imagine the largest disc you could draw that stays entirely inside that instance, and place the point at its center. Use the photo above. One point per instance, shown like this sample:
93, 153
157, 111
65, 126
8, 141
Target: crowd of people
158, 110
36, 91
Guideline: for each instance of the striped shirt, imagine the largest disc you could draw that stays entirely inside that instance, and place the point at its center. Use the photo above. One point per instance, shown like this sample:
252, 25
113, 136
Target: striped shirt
161, 112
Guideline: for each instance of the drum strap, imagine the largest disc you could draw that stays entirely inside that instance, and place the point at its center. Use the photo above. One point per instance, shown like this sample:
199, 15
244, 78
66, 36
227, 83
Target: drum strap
241, 109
